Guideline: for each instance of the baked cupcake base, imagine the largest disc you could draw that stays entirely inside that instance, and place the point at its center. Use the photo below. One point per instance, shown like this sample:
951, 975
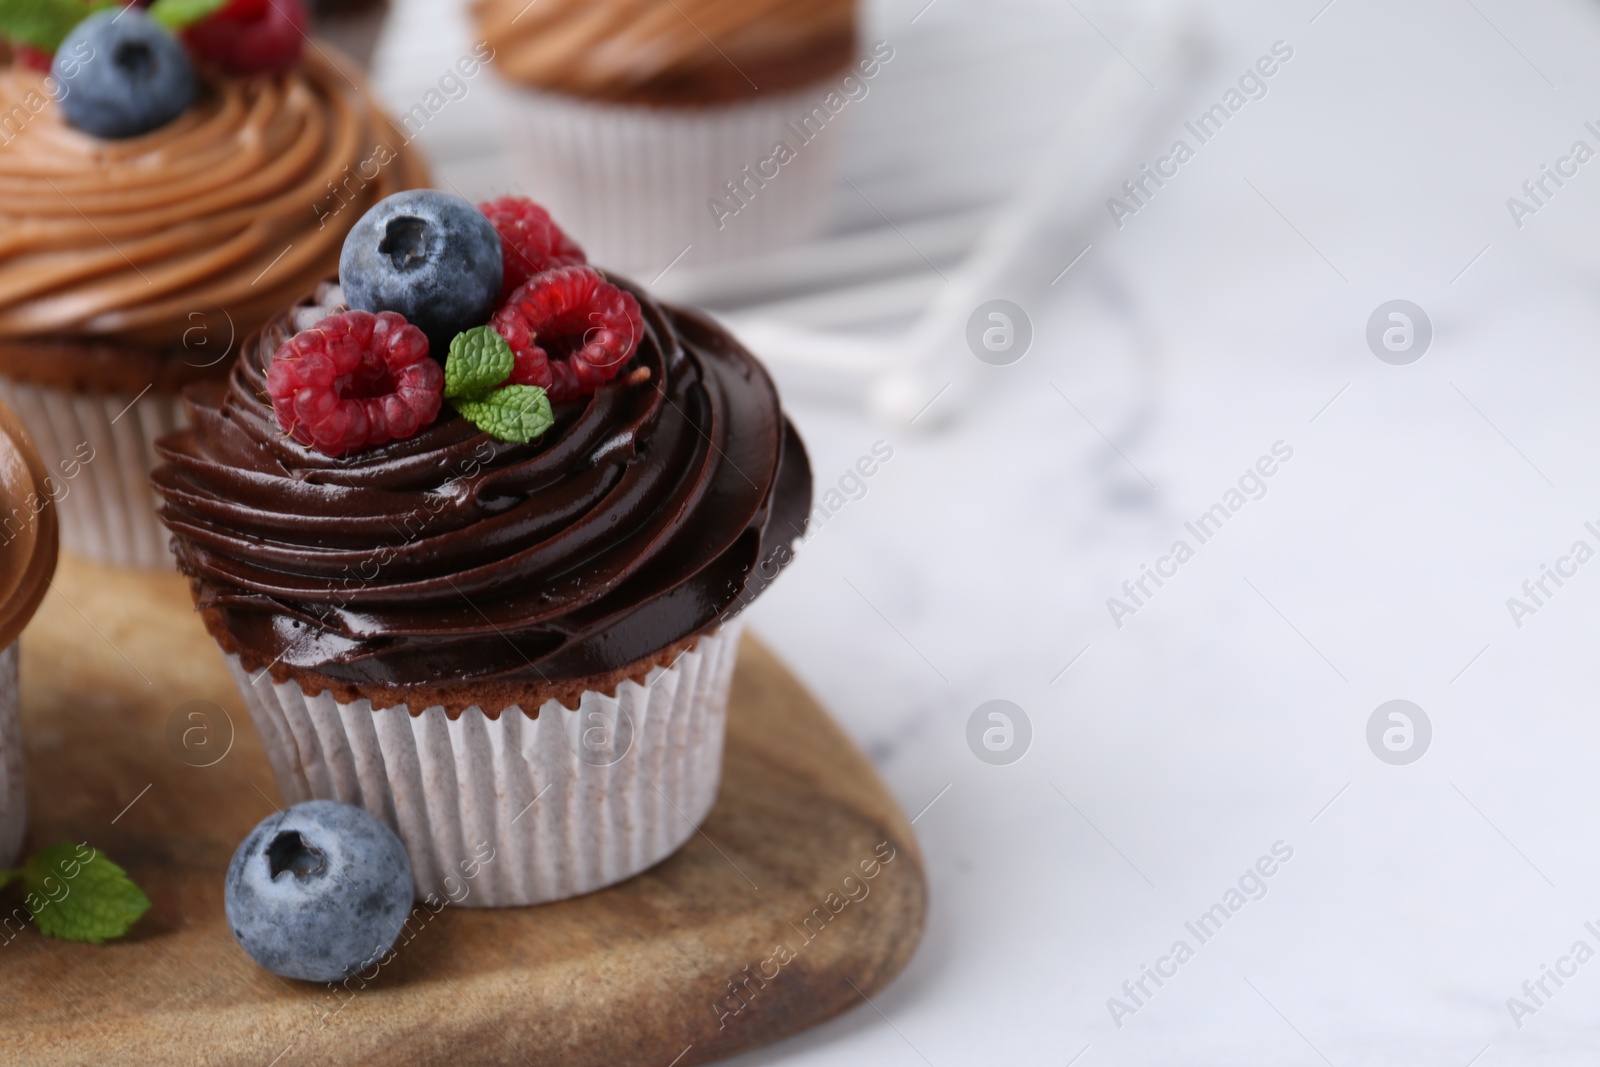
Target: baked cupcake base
13, 793
510, 809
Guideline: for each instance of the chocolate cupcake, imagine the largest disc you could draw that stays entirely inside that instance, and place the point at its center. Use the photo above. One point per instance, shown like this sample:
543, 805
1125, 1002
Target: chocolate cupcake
134, 264
501, 637
650, 125
28, 539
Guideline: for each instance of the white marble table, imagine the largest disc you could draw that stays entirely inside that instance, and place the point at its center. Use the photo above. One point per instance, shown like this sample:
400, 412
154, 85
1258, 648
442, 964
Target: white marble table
1228, 714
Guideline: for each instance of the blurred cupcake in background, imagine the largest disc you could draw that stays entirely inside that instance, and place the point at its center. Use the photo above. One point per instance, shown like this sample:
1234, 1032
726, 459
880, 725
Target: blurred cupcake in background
164, 189
28, 540
651, 125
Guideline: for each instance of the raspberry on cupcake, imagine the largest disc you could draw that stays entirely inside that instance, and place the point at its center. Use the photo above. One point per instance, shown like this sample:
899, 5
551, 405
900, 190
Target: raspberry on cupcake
198, 174
353, 381
252, 36
570, 331
531, 242
452, 584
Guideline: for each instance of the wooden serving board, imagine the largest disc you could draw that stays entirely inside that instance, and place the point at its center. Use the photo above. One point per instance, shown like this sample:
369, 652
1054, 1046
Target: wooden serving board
635, 974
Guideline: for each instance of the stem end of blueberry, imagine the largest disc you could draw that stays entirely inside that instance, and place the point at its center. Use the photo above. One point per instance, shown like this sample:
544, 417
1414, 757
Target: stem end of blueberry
291, 852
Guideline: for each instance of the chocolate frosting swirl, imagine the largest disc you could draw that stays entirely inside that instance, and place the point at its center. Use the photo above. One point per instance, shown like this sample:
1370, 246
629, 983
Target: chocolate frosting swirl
678, 52
649, 514
234, 209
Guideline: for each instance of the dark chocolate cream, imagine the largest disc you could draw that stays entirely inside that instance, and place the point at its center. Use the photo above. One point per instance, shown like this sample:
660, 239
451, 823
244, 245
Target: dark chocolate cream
651, 512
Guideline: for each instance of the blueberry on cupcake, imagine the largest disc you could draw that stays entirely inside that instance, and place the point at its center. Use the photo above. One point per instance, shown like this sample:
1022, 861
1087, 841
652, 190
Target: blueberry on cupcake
137, 78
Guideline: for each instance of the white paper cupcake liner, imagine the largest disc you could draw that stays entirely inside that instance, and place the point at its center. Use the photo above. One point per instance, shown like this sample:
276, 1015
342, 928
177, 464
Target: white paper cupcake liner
13, 794
632, 183
513, 811
100, 449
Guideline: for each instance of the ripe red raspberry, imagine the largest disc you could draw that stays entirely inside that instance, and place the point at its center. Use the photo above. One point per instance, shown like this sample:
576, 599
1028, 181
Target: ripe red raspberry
251, 36
355, 380
570, 330
33, 58
530, 242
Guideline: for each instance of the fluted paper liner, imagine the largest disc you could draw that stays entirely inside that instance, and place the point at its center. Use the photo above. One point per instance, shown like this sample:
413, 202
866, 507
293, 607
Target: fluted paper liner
566, 803
631, 182
106, 506
13, 794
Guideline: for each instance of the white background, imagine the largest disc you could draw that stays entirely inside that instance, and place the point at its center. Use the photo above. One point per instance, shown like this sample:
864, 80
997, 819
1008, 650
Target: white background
1232, 709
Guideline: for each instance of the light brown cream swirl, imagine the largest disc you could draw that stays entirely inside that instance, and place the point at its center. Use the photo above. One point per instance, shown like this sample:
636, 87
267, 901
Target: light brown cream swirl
232, 211
669, 51
29, 536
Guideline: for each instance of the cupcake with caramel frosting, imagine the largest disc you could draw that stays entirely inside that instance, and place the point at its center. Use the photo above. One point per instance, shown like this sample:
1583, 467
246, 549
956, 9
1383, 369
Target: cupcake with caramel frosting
635, 115
688, 53
28, 542
131, 267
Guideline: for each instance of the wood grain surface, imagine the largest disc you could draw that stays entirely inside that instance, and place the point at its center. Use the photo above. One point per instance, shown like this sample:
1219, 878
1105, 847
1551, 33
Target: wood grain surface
770, 899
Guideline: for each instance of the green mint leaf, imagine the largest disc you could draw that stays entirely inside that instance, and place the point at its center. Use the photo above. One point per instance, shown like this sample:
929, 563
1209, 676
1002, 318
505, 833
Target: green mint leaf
176, 14
44, 24
517, 413
7, 877
76, 894
479, 360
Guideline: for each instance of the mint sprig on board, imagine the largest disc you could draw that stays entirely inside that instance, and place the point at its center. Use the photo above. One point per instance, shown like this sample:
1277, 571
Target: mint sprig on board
475, 371
44, 24
74, 893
